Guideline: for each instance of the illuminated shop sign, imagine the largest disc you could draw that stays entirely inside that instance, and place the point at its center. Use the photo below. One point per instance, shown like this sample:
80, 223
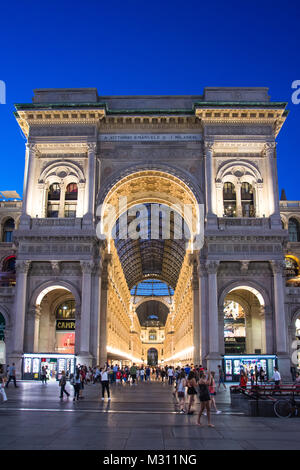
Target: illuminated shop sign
65, 325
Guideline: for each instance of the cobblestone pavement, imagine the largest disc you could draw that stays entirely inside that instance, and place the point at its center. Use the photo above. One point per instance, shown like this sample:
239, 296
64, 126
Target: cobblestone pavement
137, 417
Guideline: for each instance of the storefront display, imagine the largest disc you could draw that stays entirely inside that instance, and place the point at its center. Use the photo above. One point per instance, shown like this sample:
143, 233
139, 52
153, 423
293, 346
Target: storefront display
234, 364
54, 364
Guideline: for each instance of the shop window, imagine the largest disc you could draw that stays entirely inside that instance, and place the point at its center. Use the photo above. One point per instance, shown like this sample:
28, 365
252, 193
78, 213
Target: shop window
229, 198
65, 328
71, 192
234, 328
247, 199
8, 229
294, 230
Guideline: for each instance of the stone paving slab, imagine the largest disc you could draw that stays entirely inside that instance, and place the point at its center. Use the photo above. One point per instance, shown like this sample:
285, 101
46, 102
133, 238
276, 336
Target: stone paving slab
143, 417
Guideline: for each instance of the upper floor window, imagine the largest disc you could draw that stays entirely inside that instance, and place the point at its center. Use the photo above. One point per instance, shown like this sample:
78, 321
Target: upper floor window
294, 230
54, 192
8, 229
152, 335
66, 310
71, 192
247, 199
9, 265
229, 197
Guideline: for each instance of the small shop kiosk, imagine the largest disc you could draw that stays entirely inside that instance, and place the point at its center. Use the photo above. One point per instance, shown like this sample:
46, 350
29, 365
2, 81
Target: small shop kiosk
54, 364
233, 364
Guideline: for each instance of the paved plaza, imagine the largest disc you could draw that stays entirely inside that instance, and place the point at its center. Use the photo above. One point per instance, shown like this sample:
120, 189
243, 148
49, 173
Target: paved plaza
138, 417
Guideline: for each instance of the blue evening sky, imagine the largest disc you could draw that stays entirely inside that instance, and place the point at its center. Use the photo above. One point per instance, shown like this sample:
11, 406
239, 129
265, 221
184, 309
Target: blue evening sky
148, 47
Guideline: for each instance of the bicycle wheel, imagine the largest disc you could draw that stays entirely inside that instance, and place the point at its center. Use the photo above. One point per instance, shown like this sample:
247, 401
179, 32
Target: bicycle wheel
283, 408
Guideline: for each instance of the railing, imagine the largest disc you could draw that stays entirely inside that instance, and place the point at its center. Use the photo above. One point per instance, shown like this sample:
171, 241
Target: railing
56, 222
289, 203
242, 222
7, 280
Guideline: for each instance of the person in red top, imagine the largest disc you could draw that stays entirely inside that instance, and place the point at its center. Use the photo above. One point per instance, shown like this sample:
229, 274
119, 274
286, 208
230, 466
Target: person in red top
243, 380
118, 376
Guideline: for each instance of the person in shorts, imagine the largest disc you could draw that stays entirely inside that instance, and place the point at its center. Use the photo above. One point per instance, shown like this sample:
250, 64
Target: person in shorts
181, 384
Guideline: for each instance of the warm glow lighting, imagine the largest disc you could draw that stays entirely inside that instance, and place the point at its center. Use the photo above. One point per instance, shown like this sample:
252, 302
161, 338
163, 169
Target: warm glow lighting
122, 354
180, 354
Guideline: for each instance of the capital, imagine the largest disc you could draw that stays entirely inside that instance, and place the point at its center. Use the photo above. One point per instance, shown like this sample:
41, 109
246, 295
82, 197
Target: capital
208, 146
22, 267
269, 147
91, 147
87, 267
212, 266
30, 146
277, 266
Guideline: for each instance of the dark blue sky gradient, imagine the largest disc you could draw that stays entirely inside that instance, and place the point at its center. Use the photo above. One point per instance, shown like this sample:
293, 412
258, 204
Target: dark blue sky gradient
149, 47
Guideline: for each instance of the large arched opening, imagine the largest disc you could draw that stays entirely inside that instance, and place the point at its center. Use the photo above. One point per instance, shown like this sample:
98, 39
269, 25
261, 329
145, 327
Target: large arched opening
151, 221
52, 319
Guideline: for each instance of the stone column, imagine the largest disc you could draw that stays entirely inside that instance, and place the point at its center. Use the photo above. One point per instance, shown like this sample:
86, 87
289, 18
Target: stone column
85, 323
33, 328
238, 196
210, 185
274, 211
103, 312
219, 202
61, 212
22, 268
202, 273
213, 357
80, 201
196, 311
29, 181
90, 183
280, 319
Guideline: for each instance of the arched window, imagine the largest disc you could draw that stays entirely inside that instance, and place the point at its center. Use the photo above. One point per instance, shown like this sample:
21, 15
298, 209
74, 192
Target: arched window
9, 265
8, 229
294, 230
66, 310
71, 192
152, 335
2, 328
229, 198
247, 199
54, 192
53, 198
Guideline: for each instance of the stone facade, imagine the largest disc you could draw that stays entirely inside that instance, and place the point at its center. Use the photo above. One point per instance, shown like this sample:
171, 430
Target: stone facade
217, 150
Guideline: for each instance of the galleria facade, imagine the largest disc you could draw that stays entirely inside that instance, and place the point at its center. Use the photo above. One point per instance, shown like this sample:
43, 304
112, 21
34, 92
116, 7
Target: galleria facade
68, 295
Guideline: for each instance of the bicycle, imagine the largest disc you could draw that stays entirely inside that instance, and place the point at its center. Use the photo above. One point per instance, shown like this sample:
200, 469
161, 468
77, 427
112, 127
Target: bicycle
286, 407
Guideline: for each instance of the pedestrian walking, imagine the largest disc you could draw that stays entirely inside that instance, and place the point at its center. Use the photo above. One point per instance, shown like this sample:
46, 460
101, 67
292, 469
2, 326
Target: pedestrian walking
243, 380
133, 373
2, 383
212, 392
148, 372
191, 391
105, 382
221, 377
12, 375
181, 385
44, 375
62, 384
170, 375
277, 379
204, 382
